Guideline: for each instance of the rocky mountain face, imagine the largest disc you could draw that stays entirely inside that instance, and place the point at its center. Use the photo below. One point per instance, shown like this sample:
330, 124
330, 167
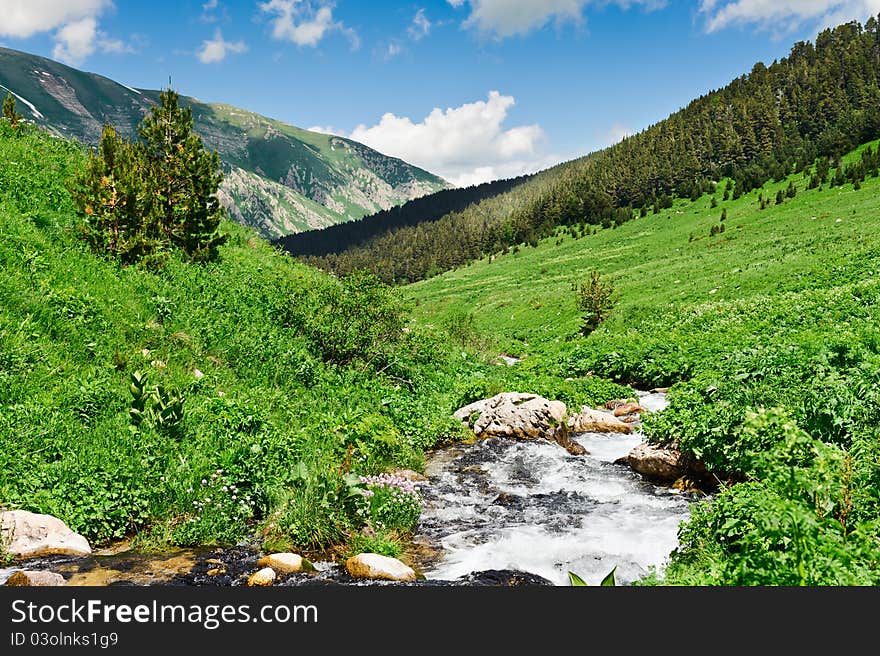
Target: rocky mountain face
280, 179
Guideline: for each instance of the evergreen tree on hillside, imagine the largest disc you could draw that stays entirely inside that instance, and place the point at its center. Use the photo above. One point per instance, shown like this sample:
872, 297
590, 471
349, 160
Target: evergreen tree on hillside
9, 112
186, 177
140, 200
115, 196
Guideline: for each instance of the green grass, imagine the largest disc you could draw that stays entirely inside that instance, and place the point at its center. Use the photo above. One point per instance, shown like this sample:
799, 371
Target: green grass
768, 331
261, 403
524, 300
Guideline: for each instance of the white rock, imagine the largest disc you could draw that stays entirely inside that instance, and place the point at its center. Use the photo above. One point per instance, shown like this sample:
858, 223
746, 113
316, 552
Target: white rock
265, 576
29, 535
375, 566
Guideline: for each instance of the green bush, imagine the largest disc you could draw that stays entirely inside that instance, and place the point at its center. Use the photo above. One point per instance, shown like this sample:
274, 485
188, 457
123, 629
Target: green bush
796, 525
358, 318
393, 503
595, 299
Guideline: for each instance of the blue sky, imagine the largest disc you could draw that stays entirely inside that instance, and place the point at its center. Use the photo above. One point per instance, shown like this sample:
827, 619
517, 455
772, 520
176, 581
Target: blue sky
469, 89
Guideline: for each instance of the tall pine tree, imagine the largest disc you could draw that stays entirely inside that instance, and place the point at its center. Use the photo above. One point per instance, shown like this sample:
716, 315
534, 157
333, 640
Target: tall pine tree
115, 196
186, 179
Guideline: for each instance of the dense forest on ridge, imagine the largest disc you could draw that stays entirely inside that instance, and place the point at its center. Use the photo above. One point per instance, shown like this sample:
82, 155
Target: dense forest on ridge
818, 103
343, 236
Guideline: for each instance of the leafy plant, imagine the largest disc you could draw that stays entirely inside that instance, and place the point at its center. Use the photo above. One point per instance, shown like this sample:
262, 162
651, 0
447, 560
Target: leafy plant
607, 582
595, 299
154, 405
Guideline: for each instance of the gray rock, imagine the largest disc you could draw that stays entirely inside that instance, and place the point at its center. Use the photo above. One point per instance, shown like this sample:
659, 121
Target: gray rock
514, 415
29, 535
658, 462
520, 416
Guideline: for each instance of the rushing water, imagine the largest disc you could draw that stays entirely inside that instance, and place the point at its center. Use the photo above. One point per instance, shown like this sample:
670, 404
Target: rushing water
530, 506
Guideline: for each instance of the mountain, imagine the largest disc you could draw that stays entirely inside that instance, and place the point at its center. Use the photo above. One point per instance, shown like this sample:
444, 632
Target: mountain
819, 102
280, 179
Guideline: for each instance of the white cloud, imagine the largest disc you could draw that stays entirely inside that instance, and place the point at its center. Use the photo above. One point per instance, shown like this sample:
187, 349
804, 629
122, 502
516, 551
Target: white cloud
466, 145
76, 41
506, 18
209, 10
113, 46
300, 22
215, 50
420, 26
24, 18
392, 50
785, 15
75, 23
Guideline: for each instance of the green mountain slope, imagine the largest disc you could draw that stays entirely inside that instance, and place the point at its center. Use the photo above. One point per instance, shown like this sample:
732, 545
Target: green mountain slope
280, 179
822, 100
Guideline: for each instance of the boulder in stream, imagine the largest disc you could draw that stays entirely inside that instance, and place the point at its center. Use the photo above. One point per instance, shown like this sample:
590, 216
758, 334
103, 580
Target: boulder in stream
520, 416
263, 577
628, 409
29, 535
597, 421
285, 563
375, 566
661, 463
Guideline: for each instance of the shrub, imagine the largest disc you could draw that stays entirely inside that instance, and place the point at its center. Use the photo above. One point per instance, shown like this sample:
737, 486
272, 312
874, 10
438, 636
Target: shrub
393, 502
595, 299
461, 327
357, 318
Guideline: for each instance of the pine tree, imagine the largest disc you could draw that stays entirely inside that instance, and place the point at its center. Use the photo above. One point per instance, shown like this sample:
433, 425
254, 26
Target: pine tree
116, 200
186, 178
9, 112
